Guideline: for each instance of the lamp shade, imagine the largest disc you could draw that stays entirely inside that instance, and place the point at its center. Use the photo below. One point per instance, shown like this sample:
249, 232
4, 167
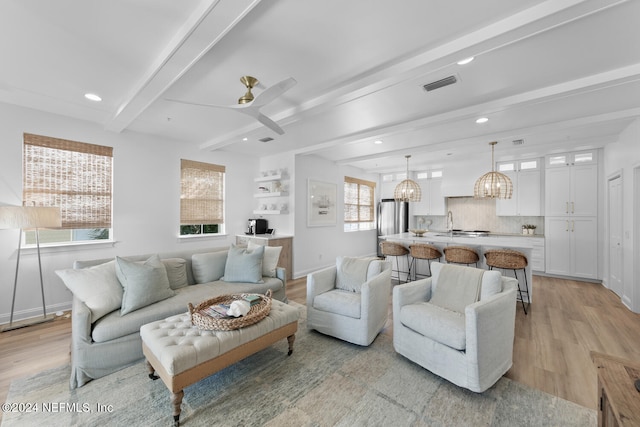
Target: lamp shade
493, 185
408, 190
24, 217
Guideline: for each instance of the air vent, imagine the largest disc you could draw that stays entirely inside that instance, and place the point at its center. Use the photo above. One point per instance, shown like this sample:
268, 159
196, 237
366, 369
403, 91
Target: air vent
266, 139
518, 141
440, 83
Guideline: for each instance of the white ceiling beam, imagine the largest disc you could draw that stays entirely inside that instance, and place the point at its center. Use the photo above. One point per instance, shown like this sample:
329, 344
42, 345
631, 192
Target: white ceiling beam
204, 29
527, 23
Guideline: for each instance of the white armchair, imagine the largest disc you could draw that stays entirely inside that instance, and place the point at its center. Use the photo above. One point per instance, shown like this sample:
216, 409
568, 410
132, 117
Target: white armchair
463, 337
350, 301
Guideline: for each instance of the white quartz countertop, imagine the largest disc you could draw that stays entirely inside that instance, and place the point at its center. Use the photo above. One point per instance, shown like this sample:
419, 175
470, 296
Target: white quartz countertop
497, 240
266, 236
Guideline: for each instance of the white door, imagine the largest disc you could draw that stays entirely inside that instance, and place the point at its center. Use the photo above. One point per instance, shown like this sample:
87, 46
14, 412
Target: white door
584, 247
615, 235
557, 191
529, 193
584, 183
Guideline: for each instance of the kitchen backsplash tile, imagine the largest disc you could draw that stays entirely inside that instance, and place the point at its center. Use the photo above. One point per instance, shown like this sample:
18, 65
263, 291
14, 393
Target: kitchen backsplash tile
479, 214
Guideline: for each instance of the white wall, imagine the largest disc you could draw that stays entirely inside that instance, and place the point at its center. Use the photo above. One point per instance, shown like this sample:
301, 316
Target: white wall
146, 202
316, 247
624, 156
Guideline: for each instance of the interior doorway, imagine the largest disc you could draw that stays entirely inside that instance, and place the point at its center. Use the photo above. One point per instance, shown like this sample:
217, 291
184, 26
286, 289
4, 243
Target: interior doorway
615, 235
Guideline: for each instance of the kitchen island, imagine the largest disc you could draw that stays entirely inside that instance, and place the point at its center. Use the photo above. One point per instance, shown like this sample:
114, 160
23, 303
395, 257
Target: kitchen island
481, 244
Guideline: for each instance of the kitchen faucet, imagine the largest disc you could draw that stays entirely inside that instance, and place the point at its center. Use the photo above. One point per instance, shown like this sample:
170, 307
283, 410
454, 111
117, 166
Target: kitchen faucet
449, 221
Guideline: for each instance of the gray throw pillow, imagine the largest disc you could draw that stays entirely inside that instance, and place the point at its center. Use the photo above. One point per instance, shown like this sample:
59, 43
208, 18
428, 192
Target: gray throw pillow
208, 267
244, 265
176, 272
351, 273
143, 283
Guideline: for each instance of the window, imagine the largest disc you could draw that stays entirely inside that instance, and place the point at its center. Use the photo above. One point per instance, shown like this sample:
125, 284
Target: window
75, 176
201, 198
358, 204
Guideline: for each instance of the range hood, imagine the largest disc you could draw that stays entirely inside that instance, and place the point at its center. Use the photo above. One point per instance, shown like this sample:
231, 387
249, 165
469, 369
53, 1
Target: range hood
459, 178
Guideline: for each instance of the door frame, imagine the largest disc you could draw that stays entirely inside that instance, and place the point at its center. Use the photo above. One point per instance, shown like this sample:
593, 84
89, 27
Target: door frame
617, 213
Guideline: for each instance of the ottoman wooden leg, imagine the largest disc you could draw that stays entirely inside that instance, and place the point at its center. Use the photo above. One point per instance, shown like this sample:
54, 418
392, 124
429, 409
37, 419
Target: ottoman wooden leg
176, 401
290, 340
152, 371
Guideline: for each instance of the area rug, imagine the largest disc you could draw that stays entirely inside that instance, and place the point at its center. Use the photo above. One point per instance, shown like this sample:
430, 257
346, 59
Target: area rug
325, 382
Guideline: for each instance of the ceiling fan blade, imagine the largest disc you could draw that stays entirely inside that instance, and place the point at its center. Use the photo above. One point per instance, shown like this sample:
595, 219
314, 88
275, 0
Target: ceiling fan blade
272, 92
200, 104
253, 112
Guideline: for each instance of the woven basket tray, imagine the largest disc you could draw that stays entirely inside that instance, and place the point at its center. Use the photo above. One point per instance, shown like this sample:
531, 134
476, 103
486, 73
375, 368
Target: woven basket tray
255, 314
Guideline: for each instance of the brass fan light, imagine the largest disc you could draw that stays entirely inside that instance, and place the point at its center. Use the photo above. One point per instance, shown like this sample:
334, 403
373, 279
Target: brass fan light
493, 185
249, 82
408, 190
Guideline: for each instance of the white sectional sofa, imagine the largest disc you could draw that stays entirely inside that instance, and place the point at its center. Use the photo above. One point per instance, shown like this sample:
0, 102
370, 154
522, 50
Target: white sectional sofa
106, 324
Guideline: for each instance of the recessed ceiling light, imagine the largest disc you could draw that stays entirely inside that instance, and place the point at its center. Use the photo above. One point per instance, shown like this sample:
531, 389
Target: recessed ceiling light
245, 139
377, 141
482, 120
92, 97
465, 61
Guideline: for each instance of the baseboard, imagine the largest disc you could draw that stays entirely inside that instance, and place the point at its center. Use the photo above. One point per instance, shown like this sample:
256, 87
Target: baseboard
33, 313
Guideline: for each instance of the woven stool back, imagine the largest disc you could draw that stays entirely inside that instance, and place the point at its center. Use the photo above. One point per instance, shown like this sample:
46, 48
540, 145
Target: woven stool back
505, 258
460, 255
393, 249
425, 251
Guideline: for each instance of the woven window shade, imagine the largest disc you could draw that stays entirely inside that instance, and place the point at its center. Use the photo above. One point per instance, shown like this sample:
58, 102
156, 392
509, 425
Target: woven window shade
201, 193
75, 176
358, 200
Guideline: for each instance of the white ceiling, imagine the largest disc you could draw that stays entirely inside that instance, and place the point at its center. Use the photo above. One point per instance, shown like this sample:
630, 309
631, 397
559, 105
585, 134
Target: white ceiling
560, 74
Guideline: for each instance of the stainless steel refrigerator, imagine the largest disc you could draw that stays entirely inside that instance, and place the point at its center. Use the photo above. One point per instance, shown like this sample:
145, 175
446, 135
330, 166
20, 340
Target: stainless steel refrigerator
393, 218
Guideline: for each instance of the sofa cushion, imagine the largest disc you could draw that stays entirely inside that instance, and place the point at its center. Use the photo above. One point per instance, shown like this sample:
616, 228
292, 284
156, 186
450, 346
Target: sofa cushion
208, 267
439, 324
338, 301
143, 283
98, 287
244, 265
176, 272
270, 258
351, 273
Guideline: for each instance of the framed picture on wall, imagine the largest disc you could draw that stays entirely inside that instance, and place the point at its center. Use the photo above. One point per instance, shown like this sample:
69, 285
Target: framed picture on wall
321, 203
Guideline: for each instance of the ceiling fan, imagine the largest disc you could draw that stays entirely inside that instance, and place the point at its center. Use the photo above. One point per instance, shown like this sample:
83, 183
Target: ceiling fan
249, 105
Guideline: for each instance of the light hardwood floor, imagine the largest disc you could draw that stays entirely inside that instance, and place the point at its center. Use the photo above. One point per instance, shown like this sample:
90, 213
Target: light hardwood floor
567, 320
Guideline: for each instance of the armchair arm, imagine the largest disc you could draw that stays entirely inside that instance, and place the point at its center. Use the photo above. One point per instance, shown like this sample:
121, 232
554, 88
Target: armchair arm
410, 293
80, 323
319, 282
490, 329
375, 295
281, 273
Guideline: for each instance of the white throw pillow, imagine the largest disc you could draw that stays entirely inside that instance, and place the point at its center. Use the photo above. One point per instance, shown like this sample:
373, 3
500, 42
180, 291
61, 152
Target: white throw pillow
98, 287
270, 258
143, 284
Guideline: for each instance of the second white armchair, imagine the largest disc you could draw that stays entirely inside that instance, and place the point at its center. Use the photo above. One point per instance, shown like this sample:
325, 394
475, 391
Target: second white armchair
350, 300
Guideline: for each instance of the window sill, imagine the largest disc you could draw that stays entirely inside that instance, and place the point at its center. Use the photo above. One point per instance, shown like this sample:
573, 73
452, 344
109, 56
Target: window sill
68, 246
186, 238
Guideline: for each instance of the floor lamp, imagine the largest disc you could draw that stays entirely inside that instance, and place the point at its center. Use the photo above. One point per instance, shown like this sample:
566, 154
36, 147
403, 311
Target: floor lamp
28, 217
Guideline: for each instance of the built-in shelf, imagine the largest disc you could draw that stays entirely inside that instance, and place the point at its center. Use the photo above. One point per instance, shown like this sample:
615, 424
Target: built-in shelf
271, 194
268, 178
270, 212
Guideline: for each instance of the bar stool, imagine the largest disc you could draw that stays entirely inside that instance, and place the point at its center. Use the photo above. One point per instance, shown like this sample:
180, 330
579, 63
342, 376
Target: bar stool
461, 255
422, 251
508, 259
395, 250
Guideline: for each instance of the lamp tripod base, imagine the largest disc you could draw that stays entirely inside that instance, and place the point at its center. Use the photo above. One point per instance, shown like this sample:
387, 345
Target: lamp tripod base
28, 322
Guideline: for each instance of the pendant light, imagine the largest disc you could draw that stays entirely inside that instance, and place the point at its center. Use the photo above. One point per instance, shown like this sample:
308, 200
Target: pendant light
493, 185
408, 190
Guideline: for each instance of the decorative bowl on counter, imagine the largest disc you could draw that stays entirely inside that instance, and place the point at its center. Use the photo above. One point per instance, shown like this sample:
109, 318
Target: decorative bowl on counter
419, 232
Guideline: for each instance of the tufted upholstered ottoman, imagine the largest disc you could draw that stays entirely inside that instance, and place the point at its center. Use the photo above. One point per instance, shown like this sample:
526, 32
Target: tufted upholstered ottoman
181, 354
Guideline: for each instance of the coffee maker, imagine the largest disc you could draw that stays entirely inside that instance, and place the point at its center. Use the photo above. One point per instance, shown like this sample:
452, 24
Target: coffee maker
257, 226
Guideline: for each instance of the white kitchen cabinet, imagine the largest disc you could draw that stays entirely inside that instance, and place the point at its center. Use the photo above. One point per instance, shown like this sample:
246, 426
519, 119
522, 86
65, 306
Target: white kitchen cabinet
526, 199
571, 246
537, 260
571, 189
432, 200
